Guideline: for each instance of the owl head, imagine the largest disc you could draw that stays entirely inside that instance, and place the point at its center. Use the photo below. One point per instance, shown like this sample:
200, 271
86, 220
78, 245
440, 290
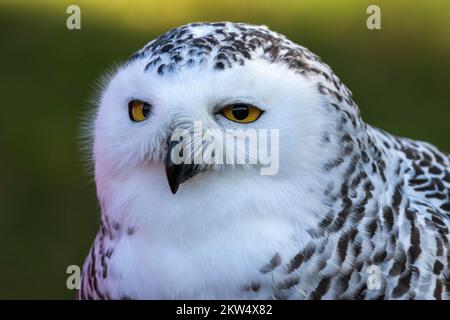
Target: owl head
226, 78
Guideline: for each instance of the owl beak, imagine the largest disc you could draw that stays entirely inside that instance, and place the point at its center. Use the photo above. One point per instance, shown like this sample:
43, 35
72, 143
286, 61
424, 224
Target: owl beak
178, 173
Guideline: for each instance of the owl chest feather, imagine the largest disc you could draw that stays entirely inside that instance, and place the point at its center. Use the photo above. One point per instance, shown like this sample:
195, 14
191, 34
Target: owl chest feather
217, 264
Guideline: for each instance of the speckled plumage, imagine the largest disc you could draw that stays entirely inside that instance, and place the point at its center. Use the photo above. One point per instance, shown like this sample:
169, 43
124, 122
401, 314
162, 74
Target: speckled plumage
365, 199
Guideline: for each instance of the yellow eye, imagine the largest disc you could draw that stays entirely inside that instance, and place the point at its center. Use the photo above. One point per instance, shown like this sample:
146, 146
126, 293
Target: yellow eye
241, 112
138, 110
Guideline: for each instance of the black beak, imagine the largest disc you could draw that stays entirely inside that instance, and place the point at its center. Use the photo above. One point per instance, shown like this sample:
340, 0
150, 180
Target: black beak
178, 173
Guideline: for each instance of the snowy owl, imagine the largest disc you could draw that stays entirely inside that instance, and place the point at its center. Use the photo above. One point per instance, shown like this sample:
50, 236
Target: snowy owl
351, 212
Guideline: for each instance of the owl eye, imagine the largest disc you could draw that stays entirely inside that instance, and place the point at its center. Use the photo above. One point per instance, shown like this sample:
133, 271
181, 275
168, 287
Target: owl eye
138, 110
241, 112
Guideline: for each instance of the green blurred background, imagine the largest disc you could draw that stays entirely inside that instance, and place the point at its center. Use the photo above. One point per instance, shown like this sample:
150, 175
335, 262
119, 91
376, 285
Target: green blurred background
48, 211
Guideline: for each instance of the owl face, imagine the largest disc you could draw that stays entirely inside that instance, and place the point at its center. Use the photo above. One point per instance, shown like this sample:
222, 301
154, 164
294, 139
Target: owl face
225, 77
139, 112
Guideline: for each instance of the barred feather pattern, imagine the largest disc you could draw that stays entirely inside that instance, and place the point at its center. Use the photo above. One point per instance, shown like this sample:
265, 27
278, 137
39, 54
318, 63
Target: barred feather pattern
397, 224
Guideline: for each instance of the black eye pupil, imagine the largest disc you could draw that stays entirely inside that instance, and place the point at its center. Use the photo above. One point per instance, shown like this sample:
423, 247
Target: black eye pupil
240, 112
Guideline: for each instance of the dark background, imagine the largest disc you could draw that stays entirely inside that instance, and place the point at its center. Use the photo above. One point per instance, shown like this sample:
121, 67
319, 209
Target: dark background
48, 210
